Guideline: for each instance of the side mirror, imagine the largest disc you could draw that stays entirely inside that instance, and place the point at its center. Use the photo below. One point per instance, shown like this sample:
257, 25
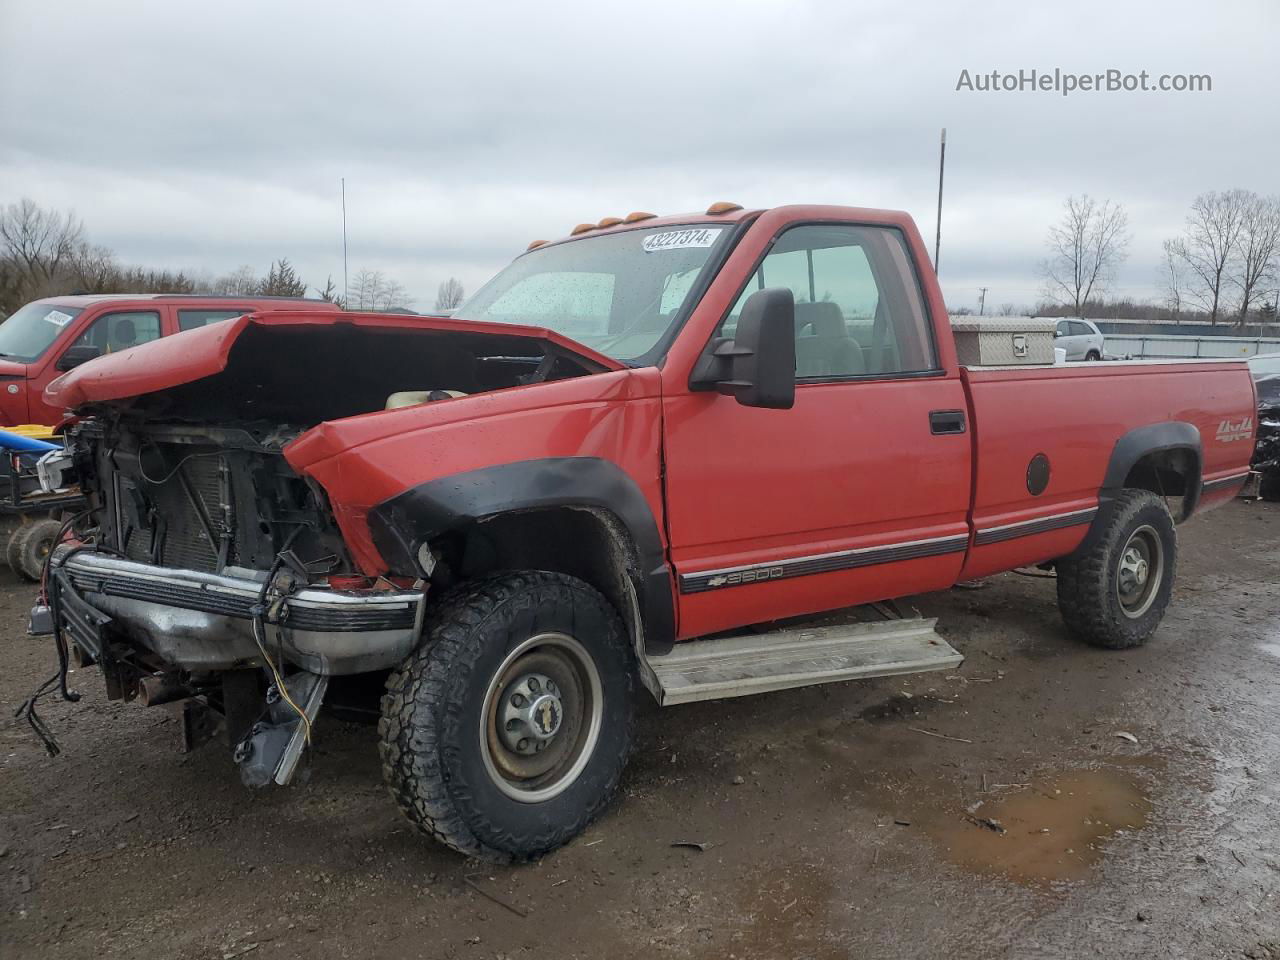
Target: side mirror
78, 354
1056, 334
758, 366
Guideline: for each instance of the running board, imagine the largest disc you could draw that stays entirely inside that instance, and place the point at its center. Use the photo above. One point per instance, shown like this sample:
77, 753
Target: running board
760, 662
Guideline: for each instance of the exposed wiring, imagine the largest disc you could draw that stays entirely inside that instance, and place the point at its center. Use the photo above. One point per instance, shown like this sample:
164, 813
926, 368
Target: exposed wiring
284, 691
174, 472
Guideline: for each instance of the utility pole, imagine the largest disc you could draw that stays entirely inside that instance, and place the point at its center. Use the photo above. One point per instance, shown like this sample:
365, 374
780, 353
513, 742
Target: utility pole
346, 291
942, 163
982, 300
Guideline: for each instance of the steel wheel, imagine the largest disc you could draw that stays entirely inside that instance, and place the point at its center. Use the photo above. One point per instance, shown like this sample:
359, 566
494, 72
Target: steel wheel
1139, 571
541, 717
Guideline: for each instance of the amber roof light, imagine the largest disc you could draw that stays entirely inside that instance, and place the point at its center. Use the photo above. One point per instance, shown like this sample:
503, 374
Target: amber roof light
723, 206
609, 222
536, 243
637, 216
581, 228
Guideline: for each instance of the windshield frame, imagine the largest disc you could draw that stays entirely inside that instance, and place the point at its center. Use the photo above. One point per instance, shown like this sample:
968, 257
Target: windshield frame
656, 354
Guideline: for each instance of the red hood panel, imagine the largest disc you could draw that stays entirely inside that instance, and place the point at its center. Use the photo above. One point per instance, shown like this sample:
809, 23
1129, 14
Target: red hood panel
195, 354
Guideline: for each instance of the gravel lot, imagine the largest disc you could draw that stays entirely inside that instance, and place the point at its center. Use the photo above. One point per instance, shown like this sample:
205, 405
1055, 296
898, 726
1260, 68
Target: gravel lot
853, 820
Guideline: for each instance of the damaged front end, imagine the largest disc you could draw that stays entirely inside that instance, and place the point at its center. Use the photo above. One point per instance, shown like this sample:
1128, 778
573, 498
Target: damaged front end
207, 571
209, 574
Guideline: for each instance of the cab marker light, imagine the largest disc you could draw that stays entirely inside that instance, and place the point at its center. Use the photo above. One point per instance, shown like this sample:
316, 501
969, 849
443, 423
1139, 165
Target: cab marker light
581, 228
609, 222
723, 206
637, 216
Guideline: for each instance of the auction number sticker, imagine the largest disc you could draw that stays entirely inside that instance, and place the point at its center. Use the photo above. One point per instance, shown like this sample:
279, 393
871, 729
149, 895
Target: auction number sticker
57, 318
680, 239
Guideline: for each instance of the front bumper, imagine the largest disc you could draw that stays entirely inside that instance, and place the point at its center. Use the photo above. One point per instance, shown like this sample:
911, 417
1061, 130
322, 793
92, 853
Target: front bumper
199, 621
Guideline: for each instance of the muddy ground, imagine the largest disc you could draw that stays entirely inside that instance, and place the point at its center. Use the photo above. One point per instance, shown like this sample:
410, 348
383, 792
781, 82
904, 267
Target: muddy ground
842, 821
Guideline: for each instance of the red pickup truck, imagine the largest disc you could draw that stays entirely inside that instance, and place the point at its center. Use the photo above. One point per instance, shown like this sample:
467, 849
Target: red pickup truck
630, 446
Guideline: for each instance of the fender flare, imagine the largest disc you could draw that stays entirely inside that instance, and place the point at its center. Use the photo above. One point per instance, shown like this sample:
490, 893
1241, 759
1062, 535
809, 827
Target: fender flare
1131, 447
401, 524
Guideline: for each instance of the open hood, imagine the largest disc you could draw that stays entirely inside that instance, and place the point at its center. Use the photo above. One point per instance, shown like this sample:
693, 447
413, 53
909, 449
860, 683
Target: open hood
330, 364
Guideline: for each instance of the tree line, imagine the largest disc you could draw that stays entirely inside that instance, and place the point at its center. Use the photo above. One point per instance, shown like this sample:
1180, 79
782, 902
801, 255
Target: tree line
46, 253
1223, 266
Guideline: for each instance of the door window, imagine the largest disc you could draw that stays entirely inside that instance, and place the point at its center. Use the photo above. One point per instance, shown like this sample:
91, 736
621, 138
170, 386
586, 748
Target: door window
859, 309
190, 319
1079, 329
120, 331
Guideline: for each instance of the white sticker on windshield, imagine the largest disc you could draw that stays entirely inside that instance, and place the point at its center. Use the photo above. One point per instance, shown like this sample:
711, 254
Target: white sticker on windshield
57, 318
680, 239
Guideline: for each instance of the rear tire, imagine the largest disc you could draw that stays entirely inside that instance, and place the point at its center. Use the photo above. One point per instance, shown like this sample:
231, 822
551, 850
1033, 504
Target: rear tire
34, 542
11, 551
1092, 355
1269, 485
1114, 590
505, 733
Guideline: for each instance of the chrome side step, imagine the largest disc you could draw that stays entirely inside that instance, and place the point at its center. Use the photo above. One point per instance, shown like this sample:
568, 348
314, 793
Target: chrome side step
799, 657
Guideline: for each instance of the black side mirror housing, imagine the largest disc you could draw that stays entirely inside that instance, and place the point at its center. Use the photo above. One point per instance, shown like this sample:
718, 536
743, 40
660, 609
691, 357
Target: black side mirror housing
73, 356
758, 366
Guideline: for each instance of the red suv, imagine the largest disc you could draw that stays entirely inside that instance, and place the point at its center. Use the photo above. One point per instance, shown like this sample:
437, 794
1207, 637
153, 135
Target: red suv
48, 336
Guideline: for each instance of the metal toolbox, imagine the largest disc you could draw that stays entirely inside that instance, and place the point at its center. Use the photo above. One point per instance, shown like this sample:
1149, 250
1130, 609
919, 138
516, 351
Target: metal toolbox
1003, 341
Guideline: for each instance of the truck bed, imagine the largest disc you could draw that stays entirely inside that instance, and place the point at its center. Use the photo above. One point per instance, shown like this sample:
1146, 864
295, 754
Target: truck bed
1076, 415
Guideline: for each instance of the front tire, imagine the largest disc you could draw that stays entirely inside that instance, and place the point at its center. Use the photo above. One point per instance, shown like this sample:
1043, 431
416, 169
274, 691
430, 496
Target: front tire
505, 733
1114, 590
1092, 356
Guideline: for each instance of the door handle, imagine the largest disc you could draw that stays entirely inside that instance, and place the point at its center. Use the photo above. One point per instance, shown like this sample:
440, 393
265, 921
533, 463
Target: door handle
946, 421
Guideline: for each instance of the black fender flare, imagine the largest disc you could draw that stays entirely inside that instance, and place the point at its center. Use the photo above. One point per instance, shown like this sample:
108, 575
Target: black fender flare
1131, 447
401, 524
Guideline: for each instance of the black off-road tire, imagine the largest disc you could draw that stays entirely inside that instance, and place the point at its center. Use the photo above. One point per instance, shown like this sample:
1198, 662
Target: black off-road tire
1269, 485
34, 542
1089, 595
12, 551
430, 738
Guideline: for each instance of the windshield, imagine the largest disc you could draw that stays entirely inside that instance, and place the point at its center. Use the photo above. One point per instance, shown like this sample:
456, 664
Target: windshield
29, 332
617, 293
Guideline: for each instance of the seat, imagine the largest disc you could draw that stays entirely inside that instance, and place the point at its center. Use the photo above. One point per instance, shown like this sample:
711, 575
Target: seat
411, 398
823, 345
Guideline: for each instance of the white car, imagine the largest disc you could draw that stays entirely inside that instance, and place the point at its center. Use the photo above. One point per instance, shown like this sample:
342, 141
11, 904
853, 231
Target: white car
1080, 338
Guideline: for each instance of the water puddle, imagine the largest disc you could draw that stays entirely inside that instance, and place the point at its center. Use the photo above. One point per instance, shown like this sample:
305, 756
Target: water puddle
1054, 828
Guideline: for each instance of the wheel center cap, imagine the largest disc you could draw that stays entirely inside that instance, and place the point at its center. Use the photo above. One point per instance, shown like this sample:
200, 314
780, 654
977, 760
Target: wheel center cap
545, 714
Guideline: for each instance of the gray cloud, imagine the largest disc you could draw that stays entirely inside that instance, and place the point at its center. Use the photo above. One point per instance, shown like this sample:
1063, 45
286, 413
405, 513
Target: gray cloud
205, 138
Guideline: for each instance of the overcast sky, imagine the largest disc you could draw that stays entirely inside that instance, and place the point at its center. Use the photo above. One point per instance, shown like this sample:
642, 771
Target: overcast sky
204, 137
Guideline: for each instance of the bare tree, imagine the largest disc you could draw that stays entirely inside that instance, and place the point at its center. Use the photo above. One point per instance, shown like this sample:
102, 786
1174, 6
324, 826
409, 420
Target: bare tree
1007, 309
240, 282
1258, 246
41, 240
1172, 275
36, 245
371, 290
449, 294
1085, 247
1213, 233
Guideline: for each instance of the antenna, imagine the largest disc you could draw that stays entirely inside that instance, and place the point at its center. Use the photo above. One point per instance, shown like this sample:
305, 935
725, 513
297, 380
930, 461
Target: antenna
346, 292
942, 163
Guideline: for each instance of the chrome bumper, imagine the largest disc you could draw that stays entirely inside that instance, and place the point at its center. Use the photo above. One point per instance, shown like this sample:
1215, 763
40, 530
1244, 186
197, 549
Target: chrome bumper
204, 621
